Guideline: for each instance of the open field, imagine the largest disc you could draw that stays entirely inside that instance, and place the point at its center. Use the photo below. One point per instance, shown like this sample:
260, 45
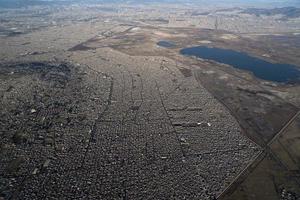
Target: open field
275, 173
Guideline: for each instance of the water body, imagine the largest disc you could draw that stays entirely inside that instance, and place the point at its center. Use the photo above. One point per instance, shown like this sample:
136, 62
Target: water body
282, 73
166, 44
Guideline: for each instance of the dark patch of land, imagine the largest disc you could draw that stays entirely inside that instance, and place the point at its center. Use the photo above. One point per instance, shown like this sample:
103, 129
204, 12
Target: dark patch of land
186, 72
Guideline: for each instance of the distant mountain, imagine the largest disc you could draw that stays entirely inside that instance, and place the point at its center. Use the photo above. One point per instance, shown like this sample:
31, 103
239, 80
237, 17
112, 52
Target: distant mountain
24, 3
288, 12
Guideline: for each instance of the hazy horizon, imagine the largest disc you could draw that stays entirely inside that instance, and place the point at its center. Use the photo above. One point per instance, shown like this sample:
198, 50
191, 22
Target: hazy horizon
227, 3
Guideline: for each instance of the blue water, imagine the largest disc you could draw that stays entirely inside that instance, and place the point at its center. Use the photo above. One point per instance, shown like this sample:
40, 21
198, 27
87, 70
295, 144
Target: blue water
166, 44
283, 73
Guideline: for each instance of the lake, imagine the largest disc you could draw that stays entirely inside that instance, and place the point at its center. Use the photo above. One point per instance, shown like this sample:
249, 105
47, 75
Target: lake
277, 72
166, 44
